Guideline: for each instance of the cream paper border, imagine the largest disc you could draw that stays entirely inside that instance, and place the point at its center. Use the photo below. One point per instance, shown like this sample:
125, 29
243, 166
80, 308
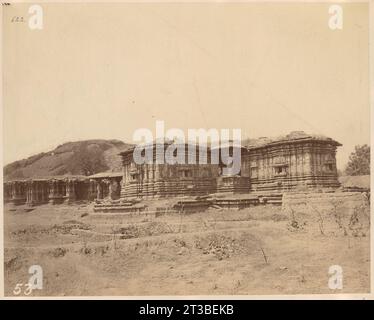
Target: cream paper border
369, 296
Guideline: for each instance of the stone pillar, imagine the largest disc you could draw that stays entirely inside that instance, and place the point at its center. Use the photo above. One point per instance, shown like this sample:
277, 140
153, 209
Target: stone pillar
70, 191
106, 188
5, 188
99, 191
35, 188
8, 191
22, 191
39, 191
30, 193
12, 191
110, 193
45, 191
18, 192
92, 193
53, 191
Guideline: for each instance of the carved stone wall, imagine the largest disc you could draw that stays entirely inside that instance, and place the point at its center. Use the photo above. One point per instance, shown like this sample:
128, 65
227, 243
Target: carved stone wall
166, 180
286, 166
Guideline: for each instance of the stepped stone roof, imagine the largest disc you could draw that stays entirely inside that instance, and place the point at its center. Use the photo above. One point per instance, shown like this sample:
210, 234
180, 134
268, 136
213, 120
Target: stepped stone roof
294, 136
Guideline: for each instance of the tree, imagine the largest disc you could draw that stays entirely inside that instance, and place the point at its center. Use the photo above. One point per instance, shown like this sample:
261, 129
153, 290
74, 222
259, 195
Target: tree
87, 161
359, 161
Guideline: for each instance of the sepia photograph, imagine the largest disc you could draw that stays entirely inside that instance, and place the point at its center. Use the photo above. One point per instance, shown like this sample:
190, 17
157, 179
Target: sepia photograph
179, 148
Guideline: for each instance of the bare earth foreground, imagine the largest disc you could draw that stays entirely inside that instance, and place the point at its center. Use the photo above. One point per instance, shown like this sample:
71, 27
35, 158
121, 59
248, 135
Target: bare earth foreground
251, 251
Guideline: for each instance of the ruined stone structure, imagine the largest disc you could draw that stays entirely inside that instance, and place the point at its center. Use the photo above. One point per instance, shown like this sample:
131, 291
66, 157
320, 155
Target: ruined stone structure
54, 190
63, 189
297, 161
156, 179
293, 161
105, 185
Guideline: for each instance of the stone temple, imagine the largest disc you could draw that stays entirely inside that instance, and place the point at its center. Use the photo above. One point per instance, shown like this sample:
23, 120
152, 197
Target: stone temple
297, 161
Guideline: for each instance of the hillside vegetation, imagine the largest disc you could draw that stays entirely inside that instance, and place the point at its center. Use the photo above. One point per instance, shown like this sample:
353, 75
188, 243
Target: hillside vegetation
71, 158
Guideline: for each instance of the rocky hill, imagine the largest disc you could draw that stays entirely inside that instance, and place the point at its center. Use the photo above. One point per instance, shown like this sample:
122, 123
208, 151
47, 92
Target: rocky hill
72, 158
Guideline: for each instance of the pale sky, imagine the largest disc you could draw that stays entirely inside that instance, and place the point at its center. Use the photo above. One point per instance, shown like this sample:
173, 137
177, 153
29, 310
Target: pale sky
101, 71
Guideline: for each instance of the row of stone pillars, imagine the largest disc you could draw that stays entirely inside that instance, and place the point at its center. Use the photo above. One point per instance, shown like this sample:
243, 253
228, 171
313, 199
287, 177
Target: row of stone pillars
104, 189
55, 191
33, 192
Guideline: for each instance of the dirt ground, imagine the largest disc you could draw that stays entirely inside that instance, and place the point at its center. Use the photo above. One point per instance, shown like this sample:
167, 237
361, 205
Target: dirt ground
217, 252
